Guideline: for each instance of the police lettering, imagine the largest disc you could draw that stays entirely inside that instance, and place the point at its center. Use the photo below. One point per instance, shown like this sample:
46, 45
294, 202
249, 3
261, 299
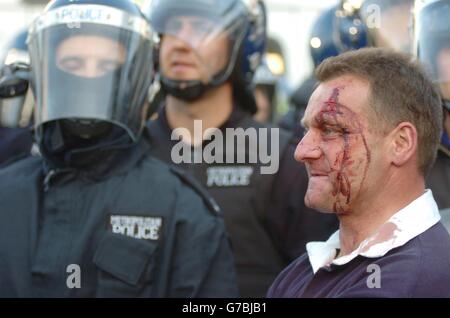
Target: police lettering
229, 176
74, 14
144, 228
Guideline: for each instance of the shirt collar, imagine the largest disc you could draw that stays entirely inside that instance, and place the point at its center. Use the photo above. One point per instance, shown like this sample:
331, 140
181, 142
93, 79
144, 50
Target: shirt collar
406, 224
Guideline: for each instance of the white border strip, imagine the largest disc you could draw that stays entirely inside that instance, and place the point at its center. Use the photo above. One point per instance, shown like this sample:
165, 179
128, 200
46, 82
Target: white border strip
74, 15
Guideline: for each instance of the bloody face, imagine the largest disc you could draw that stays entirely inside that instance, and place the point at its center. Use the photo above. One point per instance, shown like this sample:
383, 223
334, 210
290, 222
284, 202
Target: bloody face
336, 146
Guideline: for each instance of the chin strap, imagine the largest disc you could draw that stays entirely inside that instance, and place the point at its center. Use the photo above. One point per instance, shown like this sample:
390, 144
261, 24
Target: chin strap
188, 91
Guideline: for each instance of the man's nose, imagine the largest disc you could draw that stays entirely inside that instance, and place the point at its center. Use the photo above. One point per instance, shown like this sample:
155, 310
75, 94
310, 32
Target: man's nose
308, 148
185, 31
92, 69
188, 36
180, 43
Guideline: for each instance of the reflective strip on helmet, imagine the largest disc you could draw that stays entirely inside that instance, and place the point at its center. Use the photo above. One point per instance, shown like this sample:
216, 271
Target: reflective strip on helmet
74, 15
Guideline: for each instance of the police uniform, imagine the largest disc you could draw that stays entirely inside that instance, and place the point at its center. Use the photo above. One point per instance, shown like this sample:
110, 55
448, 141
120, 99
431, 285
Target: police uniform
94, 215
431, 44
128, 227
439, 178
265, 214
14, 142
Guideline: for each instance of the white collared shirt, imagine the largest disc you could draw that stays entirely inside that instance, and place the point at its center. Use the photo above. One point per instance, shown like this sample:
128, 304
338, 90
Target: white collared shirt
406, 224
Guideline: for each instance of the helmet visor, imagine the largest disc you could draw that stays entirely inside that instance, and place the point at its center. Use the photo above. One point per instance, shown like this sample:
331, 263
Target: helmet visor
92, 63
432, 42
200, 38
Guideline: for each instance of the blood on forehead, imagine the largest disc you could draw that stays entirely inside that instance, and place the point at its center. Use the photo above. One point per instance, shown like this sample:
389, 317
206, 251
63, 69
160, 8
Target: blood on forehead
334, 113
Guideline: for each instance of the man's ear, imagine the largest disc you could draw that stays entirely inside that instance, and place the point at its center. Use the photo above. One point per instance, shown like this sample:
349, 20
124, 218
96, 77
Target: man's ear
403, 145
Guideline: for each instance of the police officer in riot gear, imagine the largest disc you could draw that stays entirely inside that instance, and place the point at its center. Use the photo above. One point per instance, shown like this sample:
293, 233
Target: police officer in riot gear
101, 217
338, 29
208, 53
265, 82
16, 105
432, 47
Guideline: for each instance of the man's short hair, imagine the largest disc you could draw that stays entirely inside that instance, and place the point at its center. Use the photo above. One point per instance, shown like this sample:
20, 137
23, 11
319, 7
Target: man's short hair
400, 91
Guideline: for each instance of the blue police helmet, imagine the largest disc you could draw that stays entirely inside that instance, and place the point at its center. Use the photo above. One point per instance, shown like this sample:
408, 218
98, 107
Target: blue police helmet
254, 45
124, 5
14, 75
336, 30
110, 94
19, 42
351, 32
16, 50
321, 43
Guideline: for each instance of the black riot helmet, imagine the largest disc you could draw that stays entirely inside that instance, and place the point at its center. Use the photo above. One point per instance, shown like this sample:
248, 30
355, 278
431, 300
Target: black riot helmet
201, 24
16, 106
432, 42
91, 64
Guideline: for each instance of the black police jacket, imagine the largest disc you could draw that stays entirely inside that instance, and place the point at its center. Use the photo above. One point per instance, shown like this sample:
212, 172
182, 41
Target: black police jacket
14, 142
137, 229
265, 215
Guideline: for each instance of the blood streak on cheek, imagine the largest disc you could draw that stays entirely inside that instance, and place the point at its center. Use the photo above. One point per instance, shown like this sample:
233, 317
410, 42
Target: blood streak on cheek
341, 183
336, 114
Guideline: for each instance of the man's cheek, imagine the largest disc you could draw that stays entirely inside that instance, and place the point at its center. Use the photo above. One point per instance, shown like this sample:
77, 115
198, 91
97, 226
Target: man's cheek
356, 168
357, 158
319, 191
337, 161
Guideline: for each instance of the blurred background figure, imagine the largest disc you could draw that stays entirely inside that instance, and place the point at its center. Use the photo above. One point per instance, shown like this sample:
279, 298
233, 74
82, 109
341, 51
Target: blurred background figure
432, 46
445, 213
15, 16
16, 102
389, 22
265, 93
270, 83
338, 29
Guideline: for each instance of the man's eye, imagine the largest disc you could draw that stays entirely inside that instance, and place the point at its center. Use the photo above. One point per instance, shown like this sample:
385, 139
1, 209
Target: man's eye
329, 132
70, 64
202, 26
174, 26
109, 66
333, 131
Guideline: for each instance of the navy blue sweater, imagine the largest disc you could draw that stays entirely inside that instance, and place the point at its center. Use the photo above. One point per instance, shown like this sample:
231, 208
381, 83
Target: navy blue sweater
420, 268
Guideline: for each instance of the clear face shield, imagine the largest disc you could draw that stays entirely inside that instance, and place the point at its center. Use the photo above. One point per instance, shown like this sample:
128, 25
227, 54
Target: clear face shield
389, 23
91, 65
432, 42
200, 38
